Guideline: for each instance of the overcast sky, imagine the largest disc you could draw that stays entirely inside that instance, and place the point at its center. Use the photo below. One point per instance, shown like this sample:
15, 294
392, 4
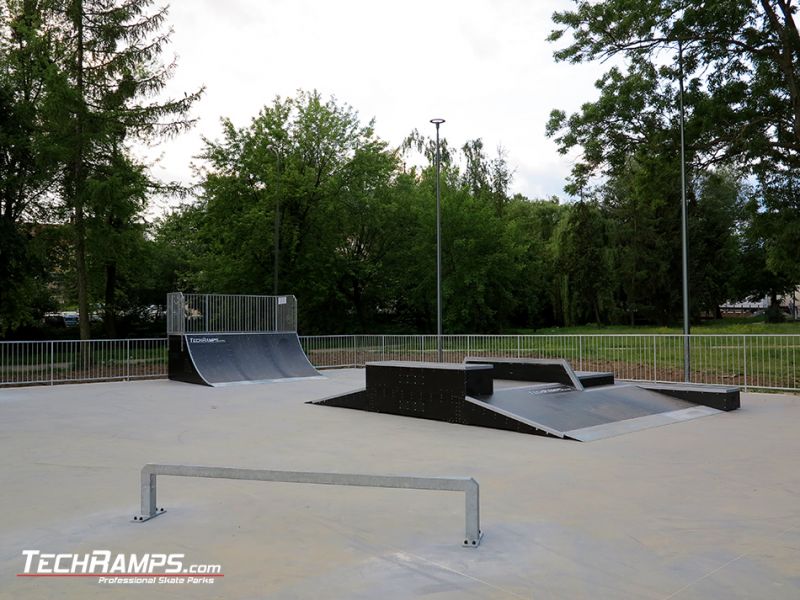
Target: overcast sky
483, 65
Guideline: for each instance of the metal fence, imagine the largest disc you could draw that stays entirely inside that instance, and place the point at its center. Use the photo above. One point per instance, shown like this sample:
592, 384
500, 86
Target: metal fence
768, 362
53, 362
229, 313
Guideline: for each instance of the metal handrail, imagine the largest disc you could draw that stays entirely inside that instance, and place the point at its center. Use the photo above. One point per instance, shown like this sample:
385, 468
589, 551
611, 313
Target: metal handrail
468, 485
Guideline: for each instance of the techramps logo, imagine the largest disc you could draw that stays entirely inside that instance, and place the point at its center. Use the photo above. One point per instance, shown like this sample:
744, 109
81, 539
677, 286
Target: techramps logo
205, 340
120, 569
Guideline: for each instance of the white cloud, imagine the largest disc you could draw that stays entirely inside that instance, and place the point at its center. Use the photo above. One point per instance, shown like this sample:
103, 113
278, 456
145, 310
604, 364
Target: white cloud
483, 65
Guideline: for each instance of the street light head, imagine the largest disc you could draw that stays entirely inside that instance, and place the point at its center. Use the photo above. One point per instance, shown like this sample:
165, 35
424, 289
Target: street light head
437, 121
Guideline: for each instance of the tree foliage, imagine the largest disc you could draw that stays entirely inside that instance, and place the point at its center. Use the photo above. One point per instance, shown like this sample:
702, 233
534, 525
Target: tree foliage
740, 61
27, 174
81, 82
357, 229
353, 219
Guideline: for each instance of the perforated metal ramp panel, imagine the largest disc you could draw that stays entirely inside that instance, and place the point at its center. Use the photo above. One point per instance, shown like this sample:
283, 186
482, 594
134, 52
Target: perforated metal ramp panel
233, 358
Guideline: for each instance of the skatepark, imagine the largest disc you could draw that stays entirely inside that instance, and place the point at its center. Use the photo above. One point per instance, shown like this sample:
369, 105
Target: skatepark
662, 497
294, 308
705, 508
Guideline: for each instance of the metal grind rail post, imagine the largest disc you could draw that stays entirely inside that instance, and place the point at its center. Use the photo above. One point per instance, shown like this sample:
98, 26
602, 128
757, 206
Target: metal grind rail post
472, 536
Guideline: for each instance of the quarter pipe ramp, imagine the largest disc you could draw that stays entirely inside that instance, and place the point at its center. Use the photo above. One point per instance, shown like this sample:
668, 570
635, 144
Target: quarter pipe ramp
218, 359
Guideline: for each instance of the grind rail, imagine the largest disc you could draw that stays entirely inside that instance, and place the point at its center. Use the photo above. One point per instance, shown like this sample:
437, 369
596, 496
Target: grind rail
472, 536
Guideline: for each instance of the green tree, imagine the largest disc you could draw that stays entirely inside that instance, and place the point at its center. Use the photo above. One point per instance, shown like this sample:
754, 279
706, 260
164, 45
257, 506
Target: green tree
582, 265
765, 267
487, 179
780, 213
109, 83
330, 177
368, 223
714, 254
741, 58
27, 175
481, 254
532, 226
643, 204
115, 237
741, 63
357, 229
177, 245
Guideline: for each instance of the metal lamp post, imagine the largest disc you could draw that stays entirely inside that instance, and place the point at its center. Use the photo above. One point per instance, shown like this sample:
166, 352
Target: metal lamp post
438, 122
684, 232
277, 220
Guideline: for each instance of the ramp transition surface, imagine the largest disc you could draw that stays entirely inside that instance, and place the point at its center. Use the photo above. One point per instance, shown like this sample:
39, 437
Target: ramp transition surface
229, 358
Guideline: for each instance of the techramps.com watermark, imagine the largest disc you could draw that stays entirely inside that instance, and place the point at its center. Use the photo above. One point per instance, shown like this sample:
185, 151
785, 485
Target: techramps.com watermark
120, 568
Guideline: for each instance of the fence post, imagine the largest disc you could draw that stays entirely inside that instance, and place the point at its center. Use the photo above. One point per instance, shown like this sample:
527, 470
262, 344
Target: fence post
52, 361
580, 352
383, 347
127, 359
519, 347
744, 345
655, 360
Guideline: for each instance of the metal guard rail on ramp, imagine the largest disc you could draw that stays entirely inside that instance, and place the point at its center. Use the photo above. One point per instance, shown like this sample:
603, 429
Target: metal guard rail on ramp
472, 536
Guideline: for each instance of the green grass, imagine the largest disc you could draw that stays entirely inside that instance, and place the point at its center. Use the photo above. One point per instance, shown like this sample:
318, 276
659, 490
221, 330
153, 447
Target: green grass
752, 325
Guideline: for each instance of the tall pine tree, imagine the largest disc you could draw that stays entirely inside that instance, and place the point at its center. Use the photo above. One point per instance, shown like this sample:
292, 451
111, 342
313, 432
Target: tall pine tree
111, 84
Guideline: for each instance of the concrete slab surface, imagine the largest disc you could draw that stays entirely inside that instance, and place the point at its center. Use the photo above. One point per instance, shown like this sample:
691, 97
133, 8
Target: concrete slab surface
707, 508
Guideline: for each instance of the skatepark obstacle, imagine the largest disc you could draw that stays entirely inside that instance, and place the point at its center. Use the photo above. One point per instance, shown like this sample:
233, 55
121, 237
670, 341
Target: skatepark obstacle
555, 401
223, 339
470, 487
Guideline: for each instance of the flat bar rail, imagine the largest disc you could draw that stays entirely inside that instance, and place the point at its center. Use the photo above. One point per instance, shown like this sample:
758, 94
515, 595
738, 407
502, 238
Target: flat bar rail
468, 485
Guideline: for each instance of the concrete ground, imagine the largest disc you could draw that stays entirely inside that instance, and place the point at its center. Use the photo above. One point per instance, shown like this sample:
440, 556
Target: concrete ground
708, 508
